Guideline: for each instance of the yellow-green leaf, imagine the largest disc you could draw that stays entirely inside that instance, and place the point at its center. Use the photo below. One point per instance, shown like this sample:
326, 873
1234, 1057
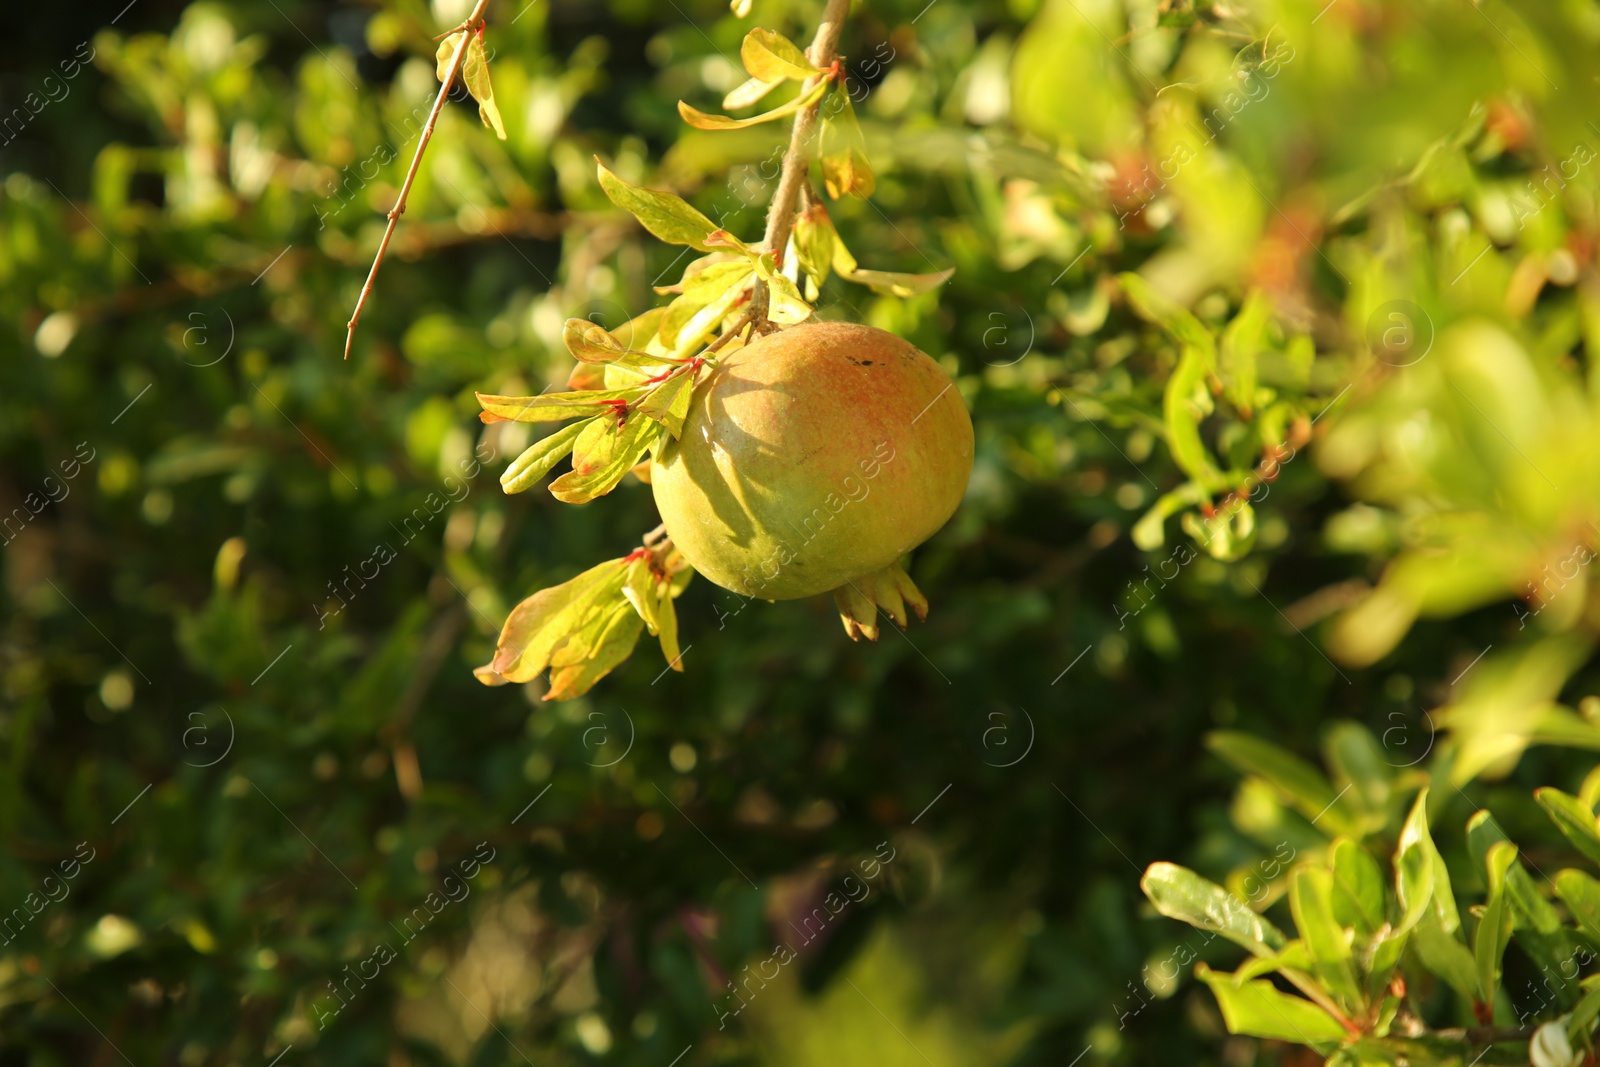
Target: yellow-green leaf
594, 653
842, 150
548, 407
590, 342
445, 55
772, 57
702, 121
534, 463
544, 621
1257, 1008
785, 304
667, 625
747, 93
666, 215
602, 454
814, 238
640, 589
475, 73
891, 283
668, 403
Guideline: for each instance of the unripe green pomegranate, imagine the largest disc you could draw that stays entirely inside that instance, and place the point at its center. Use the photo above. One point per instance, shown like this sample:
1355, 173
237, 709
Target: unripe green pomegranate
812, 460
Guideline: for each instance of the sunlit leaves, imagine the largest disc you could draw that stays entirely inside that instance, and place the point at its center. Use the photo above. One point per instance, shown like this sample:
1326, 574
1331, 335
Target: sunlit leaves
885, 283
1180, 893
538, 459
1259, 1009
786, 304
773, 57
475, 73
814, 238
582, 629
1575, 820
591, 343
747, 93
668, 403
547, 622
549, 407
602, 454
842, 151
652, 583
668, 216
700, 120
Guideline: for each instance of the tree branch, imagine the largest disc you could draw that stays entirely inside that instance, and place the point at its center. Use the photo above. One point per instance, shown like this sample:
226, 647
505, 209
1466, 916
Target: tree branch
473, 22
797, 160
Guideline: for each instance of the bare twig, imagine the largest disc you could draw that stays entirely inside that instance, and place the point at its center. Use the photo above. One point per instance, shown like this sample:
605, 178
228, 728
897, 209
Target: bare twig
744, 320
473, 22
797, 160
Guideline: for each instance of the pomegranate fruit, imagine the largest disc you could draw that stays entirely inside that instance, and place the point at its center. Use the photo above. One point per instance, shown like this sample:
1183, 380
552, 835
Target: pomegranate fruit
812, 459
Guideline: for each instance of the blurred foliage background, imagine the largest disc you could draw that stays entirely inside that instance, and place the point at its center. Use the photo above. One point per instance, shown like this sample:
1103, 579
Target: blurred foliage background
1337, 259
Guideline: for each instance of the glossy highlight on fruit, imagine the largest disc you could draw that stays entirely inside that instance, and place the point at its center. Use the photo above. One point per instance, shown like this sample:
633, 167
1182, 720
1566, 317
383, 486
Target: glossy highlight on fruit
813, 458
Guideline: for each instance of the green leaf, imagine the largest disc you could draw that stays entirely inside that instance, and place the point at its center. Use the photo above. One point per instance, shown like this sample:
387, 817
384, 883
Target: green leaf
668, 403
639, 589
1228, 533
747, 93
1581, 894
592, 654
1293, 957
667, 626
1357, 760
1257, 1008
1311, 896
590, 342
650, 587
842, 150
534, 463
668, 216
711, 281
1589, 791
694, 333
549, 407
545, 621
702, 121
1179, 893
1574, 819
786, 305
1301, 784
772, 57
1185, 404
1177, 321
890, 283
602, 455
1357, 888
1586, 1011
1494, 927
701, 290
1244, 337
1445, 956
476, 74
1149, 533
1529, 907
1421, 879
814, 238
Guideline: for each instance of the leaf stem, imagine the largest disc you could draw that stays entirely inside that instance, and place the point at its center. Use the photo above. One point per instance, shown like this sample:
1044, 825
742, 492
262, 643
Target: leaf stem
797, 160
473, 21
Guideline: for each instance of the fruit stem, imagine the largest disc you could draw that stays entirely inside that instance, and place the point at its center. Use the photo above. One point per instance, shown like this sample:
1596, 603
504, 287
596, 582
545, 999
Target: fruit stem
797, 160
